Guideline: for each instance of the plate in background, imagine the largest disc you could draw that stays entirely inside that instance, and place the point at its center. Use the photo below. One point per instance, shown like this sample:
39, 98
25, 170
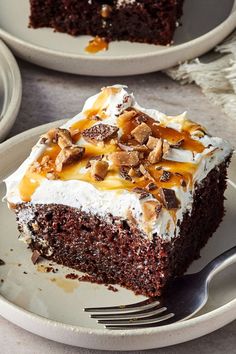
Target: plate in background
10, 90
205, 24
51, 306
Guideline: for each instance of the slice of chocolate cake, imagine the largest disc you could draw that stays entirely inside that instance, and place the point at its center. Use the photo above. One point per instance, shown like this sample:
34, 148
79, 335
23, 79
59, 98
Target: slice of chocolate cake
126, 194
146, 21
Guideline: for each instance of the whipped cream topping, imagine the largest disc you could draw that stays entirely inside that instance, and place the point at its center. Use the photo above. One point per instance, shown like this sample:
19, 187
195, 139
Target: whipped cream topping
89, 198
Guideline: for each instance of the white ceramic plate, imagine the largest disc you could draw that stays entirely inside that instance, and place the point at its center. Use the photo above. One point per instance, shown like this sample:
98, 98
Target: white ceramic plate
54, 308
205, 24
10, 90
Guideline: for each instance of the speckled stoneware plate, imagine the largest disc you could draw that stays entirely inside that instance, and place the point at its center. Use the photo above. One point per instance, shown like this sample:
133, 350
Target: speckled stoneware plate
10, 90
50, 305
205, 24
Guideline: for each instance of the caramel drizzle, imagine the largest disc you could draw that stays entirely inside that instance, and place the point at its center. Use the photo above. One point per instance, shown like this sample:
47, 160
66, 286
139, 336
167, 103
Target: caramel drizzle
28, 185
179, 170
96, 112
158, 131
97, 44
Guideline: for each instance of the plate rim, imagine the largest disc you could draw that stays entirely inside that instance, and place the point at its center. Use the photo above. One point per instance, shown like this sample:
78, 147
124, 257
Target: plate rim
102, 334
12, 110
230, 20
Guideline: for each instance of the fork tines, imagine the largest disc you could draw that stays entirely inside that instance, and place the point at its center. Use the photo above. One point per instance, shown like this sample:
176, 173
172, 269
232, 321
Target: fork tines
146, 313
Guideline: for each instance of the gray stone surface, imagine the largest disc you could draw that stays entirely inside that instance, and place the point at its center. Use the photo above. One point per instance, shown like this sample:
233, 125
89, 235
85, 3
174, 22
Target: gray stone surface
49, 96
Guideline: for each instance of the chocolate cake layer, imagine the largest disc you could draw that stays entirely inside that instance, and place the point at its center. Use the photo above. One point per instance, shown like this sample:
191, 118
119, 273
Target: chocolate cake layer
144, 21
113, 251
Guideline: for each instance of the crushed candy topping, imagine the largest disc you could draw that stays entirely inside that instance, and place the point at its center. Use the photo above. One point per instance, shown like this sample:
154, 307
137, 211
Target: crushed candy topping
134, 153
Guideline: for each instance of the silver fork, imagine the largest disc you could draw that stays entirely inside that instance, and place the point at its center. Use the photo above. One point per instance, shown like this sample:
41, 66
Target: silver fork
183, 298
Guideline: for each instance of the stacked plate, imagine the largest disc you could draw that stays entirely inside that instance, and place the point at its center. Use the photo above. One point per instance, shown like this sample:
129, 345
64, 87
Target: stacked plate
10, 90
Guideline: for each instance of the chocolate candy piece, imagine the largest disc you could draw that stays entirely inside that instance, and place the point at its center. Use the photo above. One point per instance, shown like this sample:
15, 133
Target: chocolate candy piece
169, 198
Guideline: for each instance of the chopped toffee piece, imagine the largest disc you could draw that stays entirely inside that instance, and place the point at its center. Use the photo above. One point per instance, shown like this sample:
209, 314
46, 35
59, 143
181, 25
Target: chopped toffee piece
122, 158
35, 256
166, 147
99, 169
169, 198
166, 175
100, 132
59, 136
151, 209
132, 172
151, 186
46, 163
68, 155
63, 137
141, 133
52, 175
152, 142
156, 154
48, 137
125, 147
131, 218
124, 173
145, 173
142, 192
127, 115
140, 148
141, 118
98, 157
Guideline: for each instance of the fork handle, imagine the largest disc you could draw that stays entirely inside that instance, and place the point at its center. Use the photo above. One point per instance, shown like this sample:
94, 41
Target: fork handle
219, 263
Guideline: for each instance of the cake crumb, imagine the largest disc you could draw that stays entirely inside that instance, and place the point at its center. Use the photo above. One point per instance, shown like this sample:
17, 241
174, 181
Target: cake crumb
72, 276
112, 288
2, 262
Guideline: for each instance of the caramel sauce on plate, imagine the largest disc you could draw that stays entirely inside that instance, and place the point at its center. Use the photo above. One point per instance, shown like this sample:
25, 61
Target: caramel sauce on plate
65, 284
97, 44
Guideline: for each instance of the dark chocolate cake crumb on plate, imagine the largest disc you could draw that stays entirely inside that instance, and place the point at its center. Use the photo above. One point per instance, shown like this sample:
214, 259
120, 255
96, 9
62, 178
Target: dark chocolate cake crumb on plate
112, 288
71, 276
2, 262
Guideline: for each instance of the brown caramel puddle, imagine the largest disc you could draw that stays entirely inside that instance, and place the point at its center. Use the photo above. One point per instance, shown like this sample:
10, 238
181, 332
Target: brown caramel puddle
97, 44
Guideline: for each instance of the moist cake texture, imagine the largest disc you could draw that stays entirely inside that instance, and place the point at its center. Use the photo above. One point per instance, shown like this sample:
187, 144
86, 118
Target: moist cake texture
145, 21
128, 195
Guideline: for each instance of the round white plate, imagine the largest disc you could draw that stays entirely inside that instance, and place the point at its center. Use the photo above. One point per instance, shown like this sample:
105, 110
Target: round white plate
52, 306
10, 90
205, 24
